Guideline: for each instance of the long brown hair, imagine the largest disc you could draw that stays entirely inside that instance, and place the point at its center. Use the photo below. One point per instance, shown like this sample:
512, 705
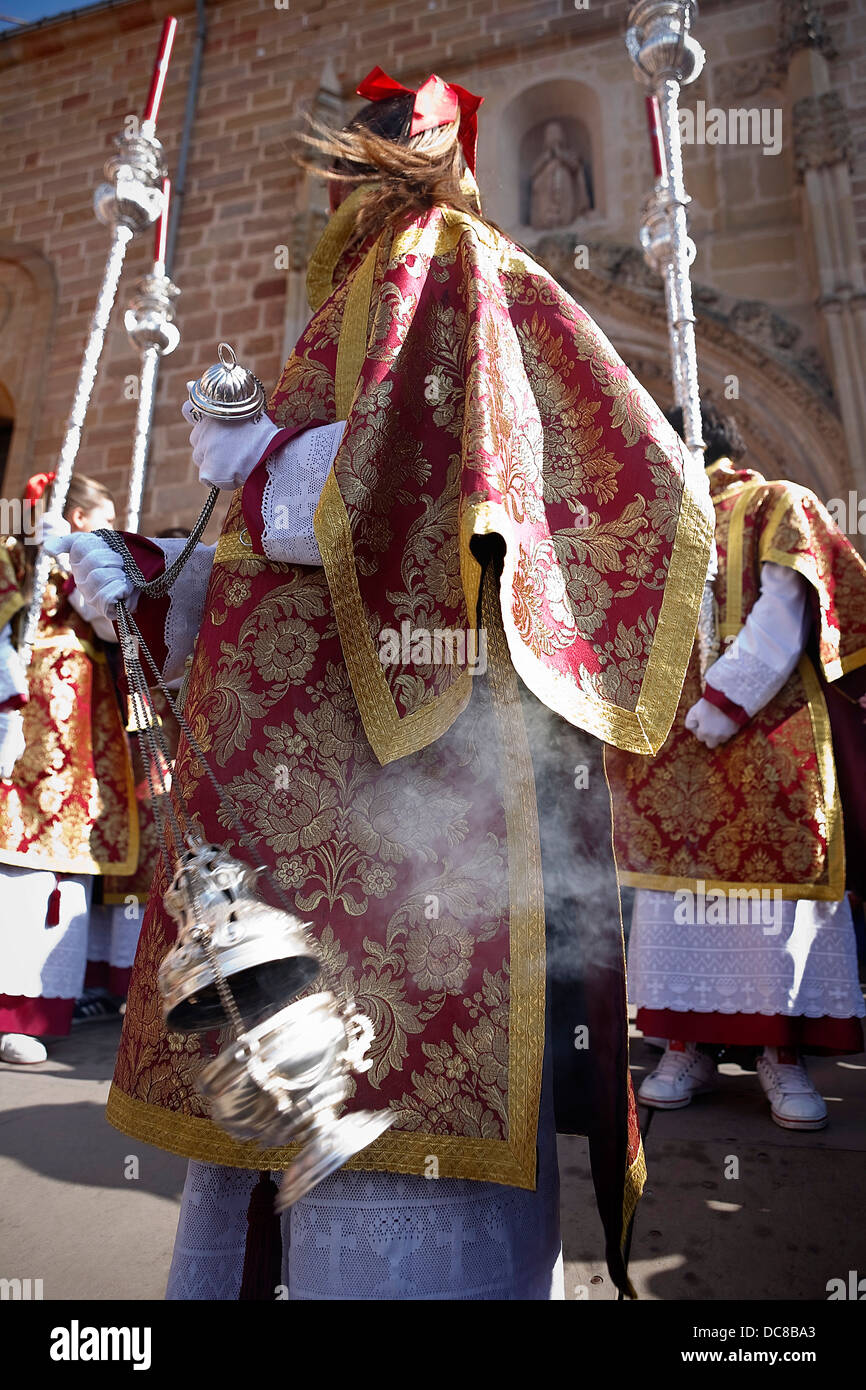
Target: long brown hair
407, 174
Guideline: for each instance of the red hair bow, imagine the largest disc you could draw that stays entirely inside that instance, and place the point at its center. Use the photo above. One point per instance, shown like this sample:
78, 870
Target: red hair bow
436, 103
36, 486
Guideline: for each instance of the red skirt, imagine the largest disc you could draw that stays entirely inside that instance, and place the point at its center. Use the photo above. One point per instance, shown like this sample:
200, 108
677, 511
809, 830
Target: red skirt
36, 1017
827, 1036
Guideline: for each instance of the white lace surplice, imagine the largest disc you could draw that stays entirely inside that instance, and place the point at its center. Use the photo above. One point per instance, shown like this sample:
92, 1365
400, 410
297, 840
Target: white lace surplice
296, 477
761, 658
808, 969
113, 933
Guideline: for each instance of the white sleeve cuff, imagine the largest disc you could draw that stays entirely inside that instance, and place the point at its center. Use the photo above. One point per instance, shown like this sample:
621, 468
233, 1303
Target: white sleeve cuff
758, 663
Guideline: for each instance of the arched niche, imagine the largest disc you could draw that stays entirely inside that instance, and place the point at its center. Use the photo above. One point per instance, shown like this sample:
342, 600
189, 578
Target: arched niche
573, 106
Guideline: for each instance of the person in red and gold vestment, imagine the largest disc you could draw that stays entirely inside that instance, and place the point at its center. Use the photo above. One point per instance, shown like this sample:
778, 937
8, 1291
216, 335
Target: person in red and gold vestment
458, 483
735, 834
67, 807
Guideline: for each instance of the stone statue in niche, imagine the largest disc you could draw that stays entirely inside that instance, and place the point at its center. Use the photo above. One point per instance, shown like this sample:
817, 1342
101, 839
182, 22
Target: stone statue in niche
560, 190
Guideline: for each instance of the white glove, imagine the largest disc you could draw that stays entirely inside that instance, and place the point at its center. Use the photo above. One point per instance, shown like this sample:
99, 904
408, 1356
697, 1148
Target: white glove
48, 526
97, 570
227, 451
101, 626
11, 740
710, 724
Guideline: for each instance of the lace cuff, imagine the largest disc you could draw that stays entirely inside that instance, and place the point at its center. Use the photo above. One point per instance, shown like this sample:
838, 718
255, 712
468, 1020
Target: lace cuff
185, 604
296, 475
756, 665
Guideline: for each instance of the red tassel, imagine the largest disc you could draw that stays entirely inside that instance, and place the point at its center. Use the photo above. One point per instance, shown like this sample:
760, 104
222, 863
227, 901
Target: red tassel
52, 915
263, 1256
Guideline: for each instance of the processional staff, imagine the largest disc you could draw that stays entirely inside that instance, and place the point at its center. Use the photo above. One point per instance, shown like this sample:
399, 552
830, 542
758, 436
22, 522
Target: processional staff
129, 203
149, 321
667, 57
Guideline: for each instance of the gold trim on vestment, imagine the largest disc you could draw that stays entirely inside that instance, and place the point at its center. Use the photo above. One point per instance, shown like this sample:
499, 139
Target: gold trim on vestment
511, 1161
389, 735
231, 547
354, 331
30, 859
823, 740
330, 246
644, 729
636, 1173
790, 892
71, 642
635, 1180
804, 565
733, 620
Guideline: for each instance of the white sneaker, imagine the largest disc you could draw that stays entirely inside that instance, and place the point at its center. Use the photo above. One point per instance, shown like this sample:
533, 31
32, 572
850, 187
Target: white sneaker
21, 1048
794, 1101
683, 1072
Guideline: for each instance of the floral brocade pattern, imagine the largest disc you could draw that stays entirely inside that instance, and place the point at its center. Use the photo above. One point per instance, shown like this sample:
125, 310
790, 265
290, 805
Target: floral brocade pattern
403, 870
762, 810
485, 401
70, 804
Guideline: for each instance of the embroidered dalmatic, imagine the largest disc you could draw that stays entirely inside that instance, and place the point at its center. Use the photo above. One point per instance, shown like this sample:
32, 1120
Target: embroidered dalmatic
763, 811
502, 478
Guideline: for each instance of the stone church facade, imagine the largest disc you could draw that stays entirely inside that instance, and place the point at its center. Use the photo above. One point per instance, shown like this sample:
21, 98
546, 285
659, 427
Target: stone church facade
775, 164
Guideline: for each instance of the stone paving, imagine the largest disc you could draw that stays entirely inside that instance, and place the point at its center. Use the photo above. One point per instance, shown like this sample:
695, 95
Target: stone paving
789, 1222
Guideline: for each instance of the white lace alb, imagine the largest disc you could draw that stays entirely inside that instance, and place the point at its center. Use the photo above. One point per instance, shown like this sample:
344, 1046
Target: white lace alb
808, 968
113, 933
13, 679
